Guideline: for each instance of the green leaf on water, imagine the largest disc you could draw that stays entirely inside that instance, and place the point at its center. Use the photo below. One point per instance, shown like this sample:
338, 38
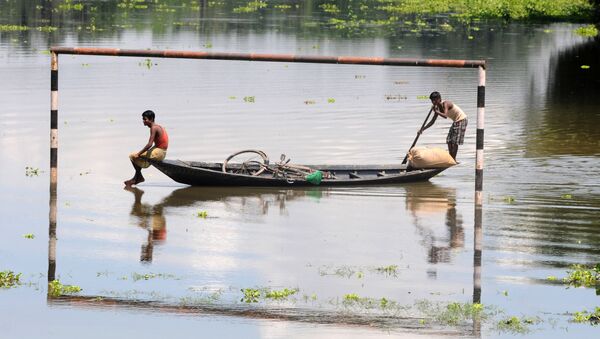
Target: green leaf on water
566, 196
28, 236
585, 67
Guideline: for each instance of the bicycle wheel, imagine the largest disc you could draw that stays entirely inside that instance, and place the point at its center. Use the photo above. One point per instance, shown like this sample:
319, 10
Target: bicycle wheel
249, 162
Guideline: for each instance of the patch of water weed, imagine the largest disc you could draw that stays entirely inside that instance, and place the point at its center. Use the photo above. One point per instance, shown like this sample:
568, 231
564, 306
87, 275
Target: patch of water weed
342, 271
453, 313
69, 5
32, 172
330, 8
56, 289
330, 100
47, 29
132, 4
356, 302
9, 279
517, 325
251, 295
29, 236
566, 196
588, 31
13, 28
580, 275
284, 7
250, 99
280, 294
250, 7
147, 276
587, 317
147, 63
311, 298
201, 300
390, 270
254, 295
202, 214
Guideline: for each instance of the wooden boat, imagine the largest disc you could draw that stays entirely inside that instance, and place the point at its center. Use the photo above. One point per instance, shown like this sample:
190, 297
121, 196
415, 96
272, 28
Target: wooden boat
211, 174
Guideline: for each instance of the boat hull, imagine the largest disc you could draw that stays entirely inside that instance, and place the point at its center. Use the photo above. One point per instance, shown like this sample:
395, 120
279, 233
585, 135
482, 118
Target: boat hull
210, 174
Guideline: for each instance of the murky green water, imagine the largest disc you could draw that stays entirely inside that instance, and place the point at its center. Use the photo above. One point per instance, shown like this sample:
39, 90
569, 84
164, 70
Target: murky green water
149, 265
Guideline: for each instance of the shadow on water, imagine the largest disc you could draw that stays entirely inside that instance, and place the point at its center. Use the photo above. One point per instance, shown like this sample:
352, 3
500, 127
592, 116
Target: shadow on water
570, 123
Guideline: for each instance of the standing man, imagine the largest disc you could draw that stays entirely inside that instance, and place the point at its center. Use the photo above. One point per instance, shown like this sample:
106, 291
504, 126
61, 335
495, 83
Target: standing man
447, 109
160, 139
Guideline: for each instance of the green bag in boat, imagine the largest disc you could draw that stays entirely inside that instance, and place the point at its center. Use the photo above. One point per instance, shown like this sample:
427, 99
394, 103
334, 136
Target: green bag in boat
315, 177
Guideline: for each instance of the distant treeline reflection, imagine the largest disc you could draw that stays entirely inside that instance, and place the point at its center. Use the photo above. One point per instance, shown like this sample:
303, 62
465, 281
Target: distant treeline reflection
367, 17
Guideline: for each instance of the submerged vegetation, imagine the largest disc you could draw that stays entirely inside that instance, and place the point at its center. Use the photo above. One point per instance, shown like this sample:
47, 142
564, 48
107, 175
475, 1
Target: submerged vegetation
453, 313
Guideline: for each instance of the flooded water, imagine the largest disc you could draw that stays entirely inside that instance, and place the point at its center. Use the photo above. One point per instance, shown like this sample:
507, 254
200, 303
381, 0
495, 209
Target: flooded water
164, 259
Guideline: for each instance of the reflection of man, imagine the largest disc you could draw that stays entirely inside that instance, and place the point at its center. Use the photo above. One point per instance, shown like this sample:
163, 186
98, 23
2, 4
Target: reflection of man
150, 218
426, 199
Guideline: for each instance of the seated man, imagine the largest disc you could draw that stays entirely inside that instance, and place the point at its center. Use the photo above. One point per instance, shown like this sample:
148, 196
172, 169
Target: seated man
160, 139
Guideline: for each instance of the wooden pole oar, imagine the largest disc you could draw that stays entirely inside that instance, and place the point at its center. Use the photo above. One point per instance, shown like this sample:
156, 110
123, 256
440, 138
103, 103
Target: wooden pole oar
417, 137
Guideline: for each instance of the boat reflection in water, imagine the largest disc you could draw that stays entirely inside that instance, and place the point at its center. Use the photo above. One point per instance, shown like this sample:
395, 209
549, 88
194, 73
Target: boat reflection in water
248, 202
426, 203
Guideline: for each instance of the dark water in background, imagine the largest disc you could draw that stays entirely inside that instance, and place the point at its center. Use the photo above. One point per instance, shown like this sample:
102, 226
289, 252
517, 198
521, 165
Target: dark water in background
542, 141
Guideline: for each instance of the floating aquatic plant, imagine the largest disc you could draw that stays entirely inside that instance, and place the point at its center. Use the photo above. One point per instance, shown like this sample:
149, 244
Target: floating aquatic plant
251, 295
280, 294
516, 325
249, 99
30, 171
202, 214
29, 236
13, 28
9, 279
588, 31
148, 276
391, 270
453, 313
252, 6
56, 289
585, 316
579, 275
